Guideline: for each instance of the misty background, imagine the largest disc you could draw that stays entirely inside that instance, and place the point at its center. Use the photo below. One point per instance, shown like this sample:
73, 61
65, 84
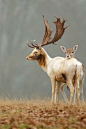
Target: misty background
21, 20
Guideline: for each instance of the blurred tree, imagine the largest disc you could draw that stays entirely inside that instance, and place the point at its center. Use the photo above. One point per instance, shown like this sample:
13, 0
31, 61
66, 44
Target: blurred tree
21, 20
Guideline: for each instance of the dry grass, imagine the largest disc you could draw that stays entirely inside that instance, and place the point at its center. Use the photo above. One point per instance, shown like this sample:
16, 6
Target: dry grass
38, 114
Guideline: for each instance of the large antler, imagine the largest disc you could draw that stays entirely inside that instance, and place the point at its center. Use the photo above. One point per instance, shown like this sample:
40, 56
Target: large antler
48, 32
47, 36
59, 30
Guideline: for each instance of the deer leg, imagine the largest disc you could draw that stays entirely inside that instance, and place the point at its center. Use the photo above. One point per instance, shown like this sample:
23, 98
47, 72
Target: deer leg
74, 99
77, 89
63, 93
81, 89
53, 89
71, 87
58, 86
55, 97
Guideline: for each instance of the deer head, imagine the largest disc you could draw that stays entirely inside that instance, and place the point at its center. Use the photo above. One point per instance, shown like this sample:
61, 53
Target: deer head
69, 52
36, 53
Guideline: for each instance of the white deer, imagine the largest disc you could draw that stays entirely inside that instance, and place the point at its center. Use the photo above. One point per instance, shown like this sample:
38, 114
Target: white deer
70, 53
59, 69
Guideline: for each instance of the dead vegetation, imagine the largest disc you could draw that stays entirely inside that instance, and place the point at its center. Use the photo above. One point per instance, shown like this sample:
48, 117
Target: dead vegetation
40, 114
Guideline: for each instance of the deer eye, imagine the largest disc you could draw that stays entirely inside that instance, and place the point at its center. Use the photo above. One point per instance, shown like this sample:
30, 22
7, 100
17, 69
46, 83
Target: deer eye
35, 52
71, 52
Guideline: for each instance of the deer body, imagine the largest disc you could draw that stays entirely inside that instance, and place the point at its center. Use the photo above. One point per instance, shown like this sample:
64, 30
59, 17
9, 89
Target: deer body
70, 54
56, 68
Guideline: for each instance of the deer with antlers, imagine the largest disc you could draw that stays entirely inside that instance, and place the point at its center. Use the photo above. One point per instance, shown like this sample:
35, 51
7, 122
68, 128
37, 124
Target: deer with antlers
59, 69
70, 53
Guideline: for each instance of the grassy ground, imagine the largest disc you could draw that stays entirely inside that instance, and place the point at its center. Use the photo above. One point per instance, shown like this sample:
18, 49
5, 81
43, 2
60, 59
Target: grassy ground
38, 114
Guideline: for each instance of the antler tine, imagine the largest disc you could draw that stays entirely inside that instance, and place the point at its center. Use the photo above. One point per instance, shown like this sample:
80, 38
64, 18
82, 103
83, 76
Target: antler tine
57, 17
66, 27
29, 45
64, 21
37, 46
33, 44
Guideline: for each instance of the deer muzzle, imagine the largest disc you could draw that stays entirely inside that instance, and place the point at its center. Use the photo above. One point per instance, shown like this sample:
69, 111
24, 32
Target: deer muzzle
28, 58
68, 56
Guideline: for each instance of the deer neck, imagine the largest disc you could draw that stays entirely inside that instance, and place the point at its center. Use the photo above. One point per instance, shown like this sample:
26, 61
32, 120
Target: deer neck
44, 60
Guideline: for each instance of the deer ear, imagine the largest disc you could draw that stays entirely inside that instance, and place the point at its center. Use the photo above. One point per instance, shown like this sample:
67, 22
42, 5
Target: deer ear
63, 48
75, 48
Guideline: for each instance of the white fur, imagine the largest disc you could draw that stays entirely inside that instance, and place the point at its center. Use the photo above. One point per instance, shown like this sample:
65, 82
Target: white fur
57, 66
81, 78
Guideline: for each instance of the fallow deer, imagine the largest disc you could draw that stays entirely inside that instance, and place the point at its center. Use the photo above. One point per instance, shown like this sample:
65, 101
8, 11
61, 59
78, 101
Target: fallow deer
59, 69
70, 53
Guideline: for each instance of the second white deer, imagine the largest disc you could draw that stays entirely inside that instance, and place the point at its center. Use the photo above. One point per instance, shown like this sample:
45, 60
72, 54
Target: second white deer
70, 53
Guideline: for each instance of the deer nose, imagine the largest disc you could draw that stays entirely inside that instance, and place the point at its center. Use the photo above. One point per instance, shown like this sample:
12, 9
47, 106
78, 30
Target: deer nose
67, 55
26, 58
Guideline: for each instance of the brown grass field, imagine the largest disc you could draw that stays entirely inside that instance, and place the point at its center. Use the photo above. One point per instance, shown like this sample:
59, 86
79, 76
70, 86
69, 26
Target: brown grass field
41, 114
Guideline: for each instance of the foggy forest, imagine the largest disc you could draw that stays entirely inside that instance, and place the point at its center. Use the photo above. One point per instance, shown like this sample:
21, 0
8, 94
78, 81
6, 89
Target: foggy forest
22, 21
